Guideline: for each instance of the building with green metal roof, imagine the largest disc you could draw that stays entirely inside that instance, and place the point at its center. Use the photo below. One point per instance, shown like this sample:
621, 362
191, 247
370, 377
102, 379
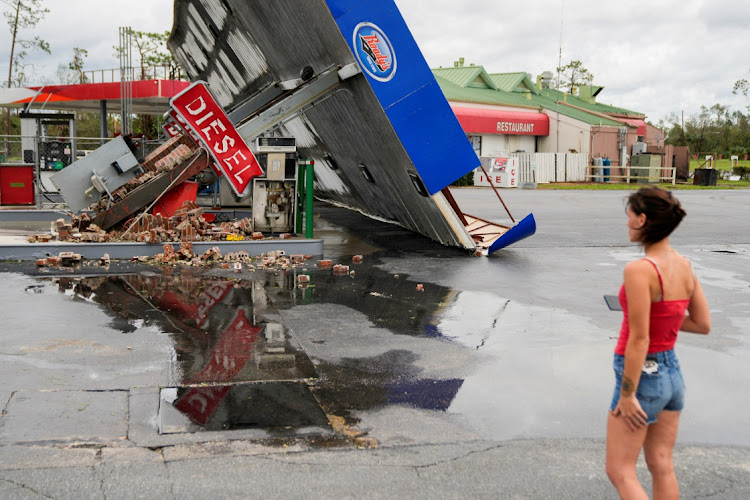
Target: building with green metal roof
576, 123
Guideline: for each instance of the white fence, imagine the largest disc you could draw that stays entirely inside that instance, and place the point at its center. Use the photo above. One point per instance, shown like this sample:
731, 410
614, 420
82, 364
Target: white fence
552, 167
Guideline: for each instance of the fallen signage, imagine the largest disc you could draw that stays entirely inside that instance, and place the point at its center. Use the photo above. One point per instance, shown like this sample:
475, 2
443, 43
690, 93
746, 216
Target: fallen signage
362, 102
171, 128
197, 107
174, 125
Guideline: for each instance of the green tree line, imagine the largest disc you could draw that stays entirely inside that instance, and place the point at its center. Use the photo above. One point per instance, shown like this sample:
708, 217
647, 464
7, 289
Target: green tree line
715, 129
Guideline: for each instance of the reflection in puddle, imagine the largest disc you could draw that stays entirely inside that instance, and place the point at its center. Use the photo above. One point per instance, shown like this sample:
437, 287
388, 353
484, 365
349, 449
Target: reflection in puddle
238, 365
239, 406
220, 329
426, 393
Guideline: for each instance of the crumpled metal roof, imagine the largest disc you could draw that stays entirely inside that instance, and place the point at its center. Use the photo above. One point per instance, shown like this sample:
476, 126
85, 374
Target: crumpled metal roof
385, 145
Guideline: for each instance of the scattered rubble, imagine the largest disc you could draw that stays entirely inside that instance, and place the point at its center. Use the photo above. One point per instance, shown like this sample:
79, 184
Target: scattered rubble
65, 259
340, 269
163, 159
274, 260
187, 224
238, 261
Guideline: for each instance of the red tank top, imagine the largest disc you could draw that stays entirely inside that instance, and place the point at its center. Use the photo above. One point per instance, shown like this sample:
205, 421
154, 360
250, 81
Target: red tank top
665, 320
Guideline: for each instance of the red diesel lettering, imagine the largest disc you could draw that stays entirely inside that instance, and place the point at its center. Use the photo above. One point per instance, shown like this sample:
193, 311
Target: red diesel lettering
217, 133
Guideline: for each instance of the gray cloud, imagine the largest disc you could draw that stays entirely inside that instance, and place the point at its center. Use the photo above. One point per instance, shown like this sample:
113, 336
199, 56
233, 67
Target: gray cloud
656, 58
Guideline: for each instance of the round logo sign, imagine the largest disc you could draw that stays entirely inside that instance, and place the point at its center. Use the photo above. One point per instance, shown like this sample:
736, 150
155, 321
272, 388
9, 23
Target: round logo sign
374, 52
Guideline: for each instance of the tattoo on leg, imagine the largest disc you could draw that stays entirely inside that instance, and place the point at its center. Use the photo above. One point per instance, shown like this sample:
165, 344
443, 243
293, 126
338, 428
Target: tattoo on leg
627, 387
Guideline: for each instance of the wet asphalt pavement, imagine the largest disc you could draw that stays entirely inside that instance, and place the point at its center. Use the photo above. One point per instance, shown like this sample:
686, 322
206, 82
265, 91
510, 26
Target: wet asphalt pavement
493, 381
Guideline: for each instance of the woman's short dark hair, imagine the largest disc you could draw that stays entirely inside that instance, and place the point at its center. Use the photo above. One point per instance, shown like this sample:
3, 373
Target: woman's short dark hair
663, 212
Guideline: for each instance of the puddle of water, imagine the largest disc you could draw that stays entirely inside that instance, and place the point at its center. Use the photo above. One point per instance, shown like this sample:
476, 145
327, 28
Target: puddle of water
546, 372
720, 278
239, 406
374, 340
221, 331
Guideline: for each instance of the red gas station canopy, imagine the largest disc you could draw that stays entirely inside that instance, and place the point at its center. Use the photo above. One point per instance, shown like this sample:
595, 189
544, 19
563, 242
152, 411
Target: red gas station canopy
492, 121
149, 96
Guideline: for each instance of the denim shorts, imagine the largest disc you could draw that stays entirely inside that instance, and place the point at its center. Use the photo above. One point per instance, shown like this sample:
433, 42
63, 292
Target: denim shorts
663, 389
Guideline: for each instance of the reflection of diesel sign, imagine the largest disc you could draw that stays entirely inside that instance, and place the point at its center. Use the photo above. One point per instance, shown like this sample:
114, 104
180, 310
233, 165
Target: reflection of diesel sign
515, 127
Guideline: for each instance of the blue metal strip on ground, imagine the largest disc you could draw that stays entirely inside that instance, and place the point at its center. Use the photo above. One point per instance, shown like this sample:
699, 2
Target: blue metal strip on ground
406, 89
127, 250
523, 229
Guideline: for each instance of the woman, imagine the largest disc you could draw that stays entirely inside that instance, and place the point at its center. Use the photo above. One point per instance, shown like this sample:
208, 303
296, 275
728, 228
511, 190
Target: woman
649, 389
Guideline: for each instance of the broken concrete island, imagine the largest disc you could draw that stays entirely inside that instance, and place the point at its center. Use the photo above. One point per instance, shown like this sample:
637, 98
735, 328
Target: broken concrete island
119, 201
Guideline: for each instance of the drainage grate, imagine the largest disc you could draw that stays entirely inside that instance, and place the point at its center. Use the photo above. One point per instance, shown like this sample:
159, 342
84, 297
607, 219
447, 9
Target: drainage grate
240, 406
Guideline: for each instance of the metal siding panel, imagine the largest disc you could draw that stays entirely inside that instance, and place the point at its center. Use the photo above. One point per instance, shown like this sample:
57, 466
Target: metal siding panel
340, 122
265, 28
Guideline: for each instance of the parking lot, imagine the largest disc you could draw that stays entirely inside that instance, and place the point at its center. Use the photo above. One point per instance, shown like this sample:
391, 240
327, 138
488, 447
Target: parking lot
494, 378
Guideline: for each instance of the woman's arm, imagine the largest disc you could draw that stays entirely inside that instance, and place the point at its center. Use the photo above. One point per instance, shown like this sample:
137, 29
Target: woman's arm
638, 293
698, 319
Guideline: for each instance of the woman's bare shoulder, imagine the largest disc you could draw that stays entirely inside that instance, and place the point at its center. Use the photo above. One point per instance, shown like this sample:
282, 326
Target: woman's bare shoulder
637, 269
638, 266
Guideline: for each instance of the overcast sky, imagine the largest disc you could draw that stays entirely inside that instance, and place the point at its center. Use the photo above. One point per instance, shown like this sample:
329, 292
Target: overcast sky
654, 57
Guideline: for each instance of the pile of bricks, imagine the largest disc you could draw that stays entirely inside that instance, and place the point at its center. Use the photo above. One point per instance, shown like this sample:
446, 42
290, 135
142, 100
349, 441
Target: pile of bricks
168, 153
163, 159
187, 224
40, 238
64, 230
185, 254
94, 234
78, 230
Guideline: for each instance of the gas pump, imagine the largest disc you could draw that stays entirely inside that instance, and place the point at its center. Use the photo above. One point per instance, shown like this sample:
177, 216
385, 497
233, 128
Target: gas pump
40, 147
274, 202
47, 154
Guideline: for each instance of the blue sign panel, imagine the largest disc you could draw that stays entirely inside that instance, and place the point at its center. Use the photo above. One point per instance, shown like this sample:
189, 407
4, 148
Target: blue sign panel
406, 89
374, 52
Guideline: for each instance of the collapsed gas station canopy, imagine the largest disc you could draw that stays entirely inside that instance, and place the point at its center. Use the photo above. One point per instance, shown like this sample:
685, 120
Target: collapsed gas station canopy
148, 96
